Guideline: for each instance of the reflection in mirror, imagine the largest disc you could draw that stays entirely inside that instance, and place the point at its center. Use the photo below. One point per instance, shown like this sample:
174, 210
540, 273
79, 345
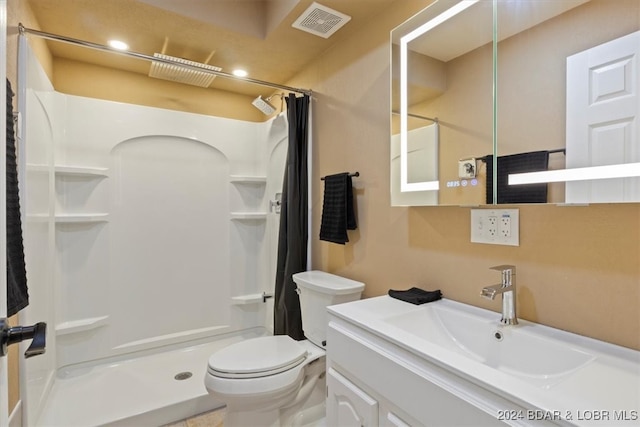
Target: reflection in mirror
567, 84
566, 98
421, 154
449, 75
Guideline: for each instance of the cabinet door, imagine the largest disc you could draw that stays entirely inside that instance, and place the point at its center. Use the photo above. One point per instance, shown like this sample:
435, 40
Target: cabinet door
347, 404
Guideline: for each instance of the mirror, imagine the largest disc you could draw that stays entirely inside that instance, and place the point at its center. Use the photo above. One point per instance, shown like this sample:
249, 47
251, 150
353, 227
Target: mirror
547, 98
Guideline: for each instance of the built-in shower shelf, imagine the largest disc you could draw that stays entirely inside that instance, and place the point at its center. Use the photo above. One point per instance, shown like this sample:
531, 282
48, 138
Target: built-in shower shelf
81, 325
64, 170
250, 299
245, 179
248, 216
81, 218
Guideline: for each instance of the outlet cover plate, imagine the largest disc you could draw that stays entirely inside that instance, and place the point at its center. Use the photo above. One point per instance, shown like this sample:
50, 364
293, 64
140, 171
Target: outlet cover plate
495, 226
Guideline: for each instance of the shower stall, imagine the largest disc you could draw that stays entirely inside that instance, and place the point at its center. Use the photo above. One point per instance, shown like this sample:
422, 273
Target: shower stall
150, 242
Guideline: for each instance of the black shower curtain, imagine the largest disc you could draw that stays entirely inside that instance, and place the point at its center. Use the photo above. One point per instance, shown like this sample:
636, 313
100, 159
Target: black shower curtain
293, 235
17, 292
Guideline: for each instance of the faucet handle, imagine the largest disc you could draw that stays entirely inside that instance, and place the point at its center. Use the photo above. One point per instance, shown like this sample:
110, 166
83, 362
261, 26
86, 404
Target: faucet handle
504, 268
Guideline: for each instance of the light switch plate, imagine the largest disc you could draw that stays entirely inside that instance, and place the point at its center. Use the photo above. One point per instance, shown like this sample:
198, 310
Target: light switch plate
495, 226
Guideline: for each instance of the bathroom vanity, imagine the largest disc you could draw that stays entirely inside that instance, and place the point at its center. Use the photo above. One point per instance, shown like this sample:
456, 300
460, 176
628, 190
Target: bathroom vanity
391, 363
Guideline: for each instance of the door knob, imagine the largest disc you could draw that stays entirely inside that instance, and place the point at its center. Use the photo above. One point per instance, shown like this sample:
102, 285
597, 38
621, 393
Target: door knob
36, 333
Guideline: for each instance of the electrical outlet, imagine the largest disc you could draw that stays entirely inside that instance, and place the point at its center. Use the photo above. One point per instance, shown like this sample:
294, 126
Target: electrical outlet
492, 226
495, 226
504, 225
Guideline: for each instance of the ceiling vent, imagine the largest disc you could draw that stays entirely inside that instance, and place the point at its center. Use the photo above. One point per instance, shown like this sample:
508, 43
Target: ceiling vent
321, 20
180, 74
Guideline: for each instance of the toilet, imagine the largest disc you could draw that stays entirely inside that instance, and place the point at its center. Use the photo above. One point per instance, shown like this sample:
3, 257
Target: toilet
276, 380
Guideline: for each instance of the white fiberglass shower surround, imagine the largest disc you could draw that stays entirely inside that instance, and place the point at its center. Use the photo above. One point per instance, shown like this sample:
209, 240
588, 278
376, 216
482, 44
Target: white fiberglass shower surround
149, 243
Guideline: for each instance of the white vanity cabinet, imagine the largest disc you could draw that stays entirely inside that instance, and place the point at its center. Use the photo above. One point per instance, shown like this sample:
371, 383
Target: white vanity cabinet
373, 382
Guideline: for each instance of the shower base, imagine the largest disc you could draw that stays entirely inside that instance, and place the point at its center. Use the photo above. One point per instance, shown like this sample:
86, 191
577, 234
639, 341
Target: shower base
139, 391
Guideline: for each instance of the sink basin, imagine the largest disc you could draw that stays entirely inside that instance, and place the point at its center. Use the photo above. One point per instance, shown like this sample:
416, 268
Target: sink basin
525, 350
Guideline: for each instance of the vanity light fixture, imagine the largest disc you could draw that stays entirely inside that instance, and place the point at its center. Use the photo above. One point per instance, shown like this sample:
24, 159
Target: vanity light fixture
117, 44
406, 186
627, 170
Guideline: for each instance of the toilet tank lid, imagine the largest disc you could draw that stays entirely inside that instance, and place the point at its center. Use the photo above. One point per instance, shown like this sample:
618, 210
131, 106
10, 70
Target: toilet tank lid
327, 283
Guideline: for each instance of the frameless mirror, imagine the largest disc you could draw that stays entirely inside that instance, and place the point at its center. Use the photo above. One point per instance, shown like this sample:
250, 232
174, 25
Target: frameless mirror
546, 98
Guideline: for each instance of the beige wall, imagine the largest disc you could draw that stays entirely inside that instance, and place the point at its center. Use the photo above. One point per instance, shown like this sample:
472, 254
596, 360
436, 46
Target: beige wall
578, 267
82, 79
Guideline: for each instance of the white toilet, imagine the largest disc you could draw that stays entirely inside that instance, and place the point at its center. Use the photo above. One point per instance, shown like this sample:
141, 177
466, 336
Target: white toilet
275, 380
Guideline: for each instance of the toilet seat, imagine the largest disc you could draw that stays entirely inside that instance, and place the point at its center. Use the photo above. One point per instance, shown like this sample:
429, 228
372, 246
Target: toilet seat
257, 357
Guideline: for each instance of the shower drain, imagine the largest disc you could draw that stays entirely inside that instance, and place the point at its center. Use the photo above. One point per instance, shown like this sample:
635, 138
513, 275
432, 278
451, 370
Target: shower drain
183, 376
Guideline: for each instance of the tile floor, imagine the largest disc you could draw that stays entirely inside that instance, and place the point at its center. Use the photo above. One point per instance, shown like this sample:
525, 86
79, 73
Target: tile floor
208, 419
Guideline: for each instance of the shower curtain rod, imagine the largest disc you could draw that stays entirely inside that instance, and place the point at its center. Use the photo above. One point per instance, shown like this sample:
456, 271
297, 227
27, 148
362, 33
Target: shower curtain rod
417, 116
22, 29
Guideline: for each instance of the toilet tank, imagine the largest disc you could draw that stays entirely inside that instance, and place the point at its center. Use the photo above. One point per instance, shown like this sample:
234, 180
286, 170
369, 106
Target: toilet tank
317, 290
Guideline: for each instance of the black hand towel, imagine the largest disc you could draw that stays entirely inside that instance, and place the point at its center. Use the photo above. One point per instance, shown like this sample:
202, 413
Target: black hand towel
517, 163
338, 214
17, 295
416, 296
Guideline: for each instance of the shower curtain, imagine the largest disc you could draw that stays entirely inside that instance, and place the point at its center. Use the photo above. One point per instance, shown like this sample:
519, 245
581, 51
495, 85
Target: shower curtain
17, 292
293, 234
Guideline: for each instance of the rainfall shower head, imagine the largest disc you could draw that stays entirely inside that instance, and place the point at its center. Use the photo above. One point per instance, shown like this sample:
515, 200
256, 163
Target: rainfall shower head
264, 105
176, 73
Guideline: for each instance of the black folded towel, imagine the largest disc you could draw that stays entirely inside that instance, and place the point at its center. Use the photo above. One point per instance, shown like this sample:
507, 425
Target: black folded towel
517, 163
338, 214
416, 295
17, 293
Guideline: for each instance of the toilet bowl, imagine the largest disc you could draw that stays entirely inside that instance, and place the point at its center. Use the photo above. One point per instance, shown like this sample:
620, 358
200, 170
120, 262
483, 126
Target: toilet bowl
276, 380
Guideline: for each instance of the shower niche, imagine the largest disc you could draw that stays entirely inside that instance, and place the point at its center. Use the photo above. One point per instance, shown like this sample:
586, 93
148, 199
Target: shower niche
250, 193
248, 227
79, 194
81, 215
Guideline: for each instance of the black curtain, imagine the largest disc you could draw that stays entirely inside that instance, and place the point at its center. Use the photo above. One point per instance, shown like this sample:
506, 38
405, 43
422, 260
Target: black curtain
17, 293
293, 235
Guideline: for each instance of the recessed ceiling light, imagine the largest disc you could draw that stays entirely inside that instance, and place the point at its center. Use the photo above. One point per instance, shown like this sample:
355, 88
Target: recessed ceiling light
117, 44
240, 73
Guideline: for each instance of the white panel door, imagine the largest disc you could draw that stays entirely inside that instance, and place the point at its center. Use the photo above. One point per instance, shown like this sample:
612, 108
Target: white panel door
602, 118
348, 405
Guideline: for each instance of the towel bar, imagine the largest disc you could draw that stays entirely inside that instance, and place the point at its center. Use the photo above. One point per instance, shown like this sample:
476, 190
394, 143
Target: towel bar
351, 174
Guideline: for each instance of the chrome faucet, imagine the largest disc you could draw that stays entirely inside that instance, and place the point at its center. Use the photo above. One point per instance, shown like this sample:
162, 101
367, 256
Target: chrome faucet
508, 290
